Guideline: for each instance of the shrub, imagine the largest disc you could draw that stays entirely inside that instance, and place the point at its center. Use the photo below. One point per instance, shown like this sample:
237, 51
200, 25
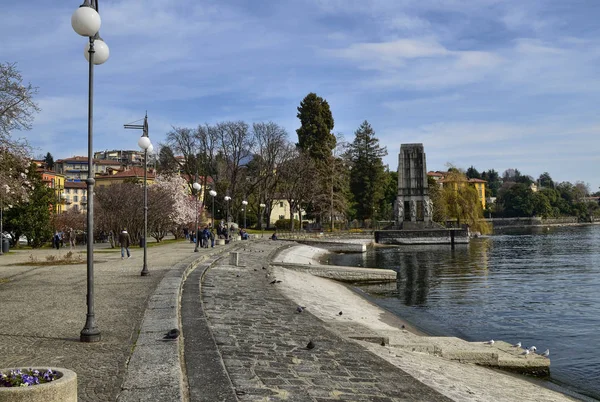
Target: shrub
284, 224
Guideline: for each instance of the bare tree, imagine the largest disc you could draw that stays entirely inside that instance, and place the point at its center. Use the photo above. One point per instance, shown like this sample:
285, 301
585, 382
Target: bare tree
120, 206
272, 149
17, 108
208, 150
297, 182
235, 143
184, 141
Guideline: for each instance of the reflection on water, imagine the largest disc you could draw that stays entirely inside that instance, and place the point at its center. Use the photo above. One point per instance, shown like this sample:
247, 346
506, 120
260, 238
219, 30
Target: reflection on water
539, 287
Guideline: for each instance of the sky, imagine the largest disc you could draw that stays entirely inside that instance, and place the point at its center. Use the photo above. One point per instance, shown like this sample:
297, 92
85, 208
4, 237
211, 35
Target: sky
494, 84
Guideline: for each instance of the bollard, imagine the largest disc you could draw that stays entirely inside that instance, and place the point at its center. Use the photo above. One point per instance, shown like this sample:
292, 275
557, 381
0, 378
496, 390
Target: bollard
234, 259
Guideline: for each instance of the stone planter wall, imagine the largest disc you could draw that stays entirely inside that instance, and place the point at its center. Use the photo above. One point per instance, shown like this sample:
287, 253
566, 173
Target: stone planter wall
62, 390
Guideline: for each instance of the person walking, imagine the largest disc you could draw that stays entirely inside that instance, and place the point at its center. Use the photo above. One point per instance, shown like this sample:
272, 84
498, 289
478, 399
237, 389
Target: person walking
205, 237
212, 237
57, 240
124, 240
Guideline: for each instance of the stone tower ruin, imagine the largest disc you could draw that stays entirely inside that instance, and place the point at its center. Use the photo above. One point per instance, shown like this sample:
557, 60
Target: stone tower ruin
414, 209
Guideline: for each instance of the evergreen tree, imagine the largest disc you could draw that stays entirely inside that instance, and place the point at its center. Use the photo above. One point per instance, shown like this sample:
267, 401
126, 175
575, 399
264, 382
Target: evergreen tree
472, 173
167, 163
32, 218
367, 177
49, 161
545, 181
316, 123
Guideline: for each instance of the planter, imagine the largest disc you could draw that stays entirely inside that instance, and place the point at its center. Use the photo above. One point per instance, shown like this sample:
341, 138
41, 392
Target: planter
63, 389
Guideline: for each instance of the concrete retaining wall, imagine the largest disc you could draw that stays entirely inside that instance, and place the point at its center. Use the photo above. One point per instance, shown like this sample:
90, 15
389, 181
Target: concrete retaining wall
344, 274
337, 247
430, 236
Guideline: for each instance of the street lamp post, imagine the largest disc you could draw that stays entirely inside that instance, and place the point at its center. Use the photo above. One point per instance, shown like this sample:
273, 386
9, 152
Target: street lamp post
262, 228
86, 22
197, 188
213, 194
227, 199
146, 145
245, 203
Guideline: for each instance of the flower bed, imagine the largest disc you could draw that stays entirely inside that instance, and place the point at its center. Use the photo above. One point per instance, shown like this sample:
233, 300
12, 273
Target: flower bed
30, 384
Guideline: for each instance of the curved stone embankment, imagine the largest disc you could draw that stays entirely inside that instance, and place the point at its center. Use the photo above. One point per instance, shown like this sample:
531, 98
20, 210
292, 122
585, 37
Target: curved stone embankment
451, 366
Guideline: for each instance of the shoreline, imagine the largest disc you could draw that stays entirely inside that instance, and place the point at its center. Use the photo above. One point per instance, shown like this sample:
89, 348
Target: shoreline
324, 298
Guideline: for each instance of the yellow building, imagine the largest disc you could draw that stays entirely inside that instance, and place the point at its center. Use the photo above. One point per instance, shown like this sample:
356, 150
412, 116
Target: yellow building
480, 187
56, 182
478, 184
281, 210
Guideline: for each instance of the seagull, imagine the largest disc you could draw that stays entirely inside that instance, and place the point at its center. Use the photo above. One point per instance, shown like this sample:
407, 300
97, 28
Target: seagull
310, 345
274, 281
532, 349
526, 352
172, 334
300, 309
340, 313
546, 353
490, 342
517, 345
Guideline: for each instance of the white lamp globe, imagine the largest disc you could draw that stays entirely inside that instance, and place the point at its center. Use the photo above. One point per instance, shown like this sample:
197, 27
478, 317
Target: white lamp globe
245, 202
101, 52
227, 198
144, 142
213, 193
151, 149
86, 21
196, 186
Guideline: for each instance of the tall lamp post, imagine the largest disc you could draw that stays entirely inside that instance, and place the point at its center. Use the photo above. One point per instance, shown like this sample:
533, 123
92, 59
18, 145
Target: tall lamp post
227, 199
262, 228
146, 145
86, 22
245, 203
197, 188
213, 194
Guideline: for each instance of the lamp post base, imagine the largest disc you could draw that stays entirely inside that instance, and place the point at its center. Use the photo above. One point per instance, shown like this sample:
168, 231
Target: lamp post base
145, 271
90, 335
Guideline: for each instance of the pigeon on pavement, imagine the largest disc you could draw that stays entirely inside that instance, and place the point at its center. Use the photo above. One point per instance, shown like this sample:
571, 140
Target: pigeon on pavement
172, 334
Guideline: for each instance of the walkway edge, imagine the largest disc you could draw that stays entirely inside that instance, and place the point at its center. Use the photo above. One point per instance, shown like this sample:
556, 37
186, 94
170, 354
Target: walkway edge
155, 369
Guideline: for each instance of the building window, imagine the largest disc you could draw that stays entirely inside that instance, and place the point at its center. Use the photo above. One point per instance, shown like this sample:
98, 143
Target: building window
281, 204
75, 198
281, 217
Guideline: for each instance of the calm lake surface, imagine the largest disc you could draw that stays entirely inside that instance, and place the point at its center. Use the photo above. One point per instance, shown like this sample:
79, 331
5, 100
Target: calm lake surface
540, 287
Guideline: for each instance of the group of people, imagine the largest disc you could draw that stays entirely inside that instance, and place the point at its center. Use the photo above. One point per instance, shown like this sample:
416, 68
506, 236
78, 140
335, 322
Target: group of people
58, 239
205, 236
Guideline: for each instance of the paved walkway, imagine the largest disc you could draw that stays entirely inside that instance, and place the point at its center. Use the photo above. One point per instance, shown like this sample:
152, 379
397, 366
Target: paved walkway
43, 309
242, 339
262, 341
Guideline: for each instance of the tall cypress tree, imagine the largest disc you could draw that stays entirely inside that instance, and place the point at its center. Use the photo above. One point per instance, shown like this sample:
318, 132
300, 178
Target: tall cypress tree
367, 177
314, 134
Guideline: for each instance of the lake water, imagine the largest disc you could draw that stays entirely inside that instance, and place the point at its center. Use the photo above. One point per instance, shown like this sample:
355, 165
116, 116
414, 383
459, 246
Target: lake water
540, 287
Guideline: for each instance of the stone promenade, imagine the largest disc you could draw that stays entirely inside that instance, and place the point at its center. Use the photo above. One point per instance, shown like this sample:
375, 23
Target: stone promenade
263, 340
43, 309
242, 338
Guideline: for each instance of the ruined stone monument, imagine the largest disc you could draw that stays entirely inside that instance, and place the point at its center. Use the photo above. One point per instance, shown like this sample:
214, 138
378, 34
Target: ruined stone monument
414, 209
412, 203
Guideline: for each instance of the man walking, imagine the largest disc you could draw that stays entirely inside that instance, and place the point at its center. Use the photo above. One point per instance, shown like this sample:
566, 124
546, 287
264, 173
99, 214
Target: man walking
124, 239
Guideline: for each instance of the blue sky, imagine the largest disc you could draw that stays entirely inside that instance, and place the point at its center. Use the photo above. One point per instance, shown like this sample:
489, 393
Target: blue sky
490, 83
